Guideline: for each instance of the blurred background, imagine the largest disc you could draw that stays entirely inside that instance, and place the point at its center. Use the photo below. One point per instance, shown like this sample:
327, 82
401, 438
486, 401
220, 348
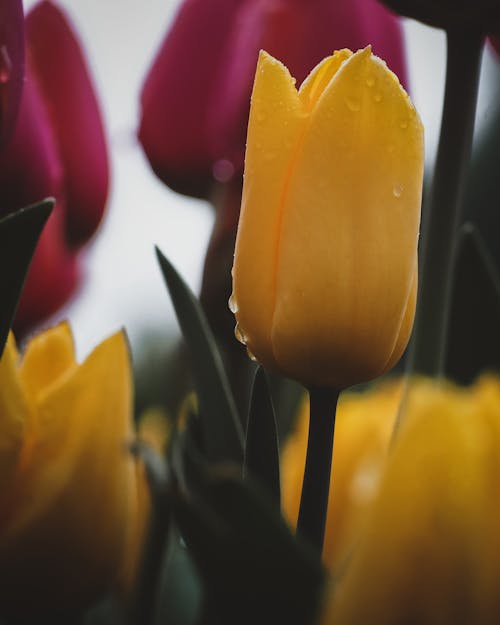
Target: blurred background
123, 286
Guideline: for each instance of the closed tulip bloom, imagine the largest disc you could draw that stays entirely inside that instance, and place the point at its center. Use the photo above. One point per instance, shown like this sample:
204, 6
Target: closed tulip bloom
195, 99
325, 267
429, 553
71, 493
58, 149
11, 65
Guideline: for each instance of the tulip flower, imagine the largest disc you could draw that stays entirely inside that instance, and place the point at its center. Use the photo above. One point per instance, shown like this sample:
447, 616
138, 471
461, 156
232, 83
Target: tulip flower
58, 149
363, 429
70, 489
11, 65
195, 99
325, 267
429, 552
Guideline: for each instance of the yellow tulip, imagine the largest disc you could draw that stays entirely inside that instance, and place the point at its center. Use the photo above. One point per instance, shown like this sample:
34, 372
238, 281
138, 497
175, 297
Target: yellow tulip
325, 268
363, 428
72, 497
430, 550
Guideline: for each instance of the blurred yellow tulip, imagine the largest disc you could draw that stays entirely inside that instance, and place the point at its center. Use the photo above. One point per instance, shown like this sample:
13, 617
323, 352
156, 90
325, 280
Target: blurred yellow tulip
363, 430
429, 551
325, 268
72, 498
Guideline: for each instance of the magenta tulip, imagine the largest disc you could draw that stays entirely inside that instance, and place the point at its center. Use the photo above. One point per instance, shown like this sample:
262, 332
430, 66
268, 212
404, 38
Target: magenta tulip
11, 65
58, 149
196, 97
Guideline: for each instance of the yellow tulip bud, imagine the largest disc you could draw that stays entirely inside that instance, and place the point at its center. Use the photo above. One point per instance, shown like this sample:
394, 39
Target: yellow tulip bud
429, 549
325, 268
71, 495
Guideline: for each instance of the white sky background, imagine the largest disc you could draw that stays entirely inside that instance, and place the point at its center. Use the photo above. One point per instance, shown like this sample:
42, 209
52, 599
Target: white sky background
123, 286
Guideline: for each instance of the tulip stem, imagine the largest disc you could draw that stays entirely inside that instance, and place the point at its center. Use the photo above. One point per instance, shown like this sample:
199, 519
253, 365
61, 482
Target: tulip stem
442, 217
316, 484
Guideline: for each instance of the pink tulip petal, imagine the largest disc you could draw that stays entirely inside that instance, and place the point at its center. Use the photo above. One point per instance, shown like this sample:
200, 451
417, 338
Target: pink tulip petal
300, 35
177, 88
30, 170
195, 100
11, 65
64, 81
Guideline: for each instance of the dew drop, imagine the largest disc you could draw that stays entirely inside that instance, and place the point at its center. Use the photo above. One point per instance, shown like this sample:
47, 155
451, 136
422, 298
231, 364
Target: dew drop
238, 333
223, 170
403, 124
370, 81
261, 117
251, 356
365, 482
397, 190
353, 105
377, 97
233, 305
5, 65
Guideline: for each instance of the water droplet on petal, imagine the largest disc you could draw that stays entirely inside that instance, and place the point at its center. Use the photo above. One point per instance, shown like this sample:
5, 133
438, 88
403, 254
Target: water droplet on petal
377, 97
5, 65
223, 170
365, 482
370, 81
403, 124
233, 305
353, 105
251, 356
398, 190
238, 333
261, 117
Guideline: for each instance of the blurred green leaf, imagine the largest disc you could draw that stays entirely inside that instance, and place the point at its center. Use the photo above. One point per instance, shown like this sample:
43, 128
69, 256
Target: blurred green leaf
180, 594
262, 460
19, 234
142, 610
253, 569
222, 432
474, 327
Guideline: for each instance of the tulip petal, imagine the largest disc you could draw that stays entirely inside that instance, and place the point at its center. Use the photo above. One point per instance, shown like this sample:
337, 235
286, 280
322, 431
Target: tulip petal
430, 547
406, 325
64, 80
317, 81
15, 417
78, 466
48, 356
276, 118
352, 210
11, 65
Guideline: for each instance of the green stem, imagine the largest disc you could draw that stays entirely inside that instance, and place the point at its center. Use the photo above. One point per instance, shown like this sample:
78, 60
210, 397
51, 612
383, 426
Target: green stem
427, 350
316, 484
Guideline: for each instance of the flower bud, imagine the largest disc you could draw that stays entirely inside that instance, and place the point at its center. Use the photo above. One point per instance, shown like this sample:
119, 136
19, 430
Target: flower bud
57, 149
428, 552
63, 458
325, 267
195, 99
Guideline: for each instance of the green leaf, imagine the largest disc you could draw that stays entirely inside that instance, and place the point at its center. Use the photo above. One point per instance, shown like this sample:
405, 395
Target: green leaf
222, 431
474, 327
262, 460
19, 234
253, 569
